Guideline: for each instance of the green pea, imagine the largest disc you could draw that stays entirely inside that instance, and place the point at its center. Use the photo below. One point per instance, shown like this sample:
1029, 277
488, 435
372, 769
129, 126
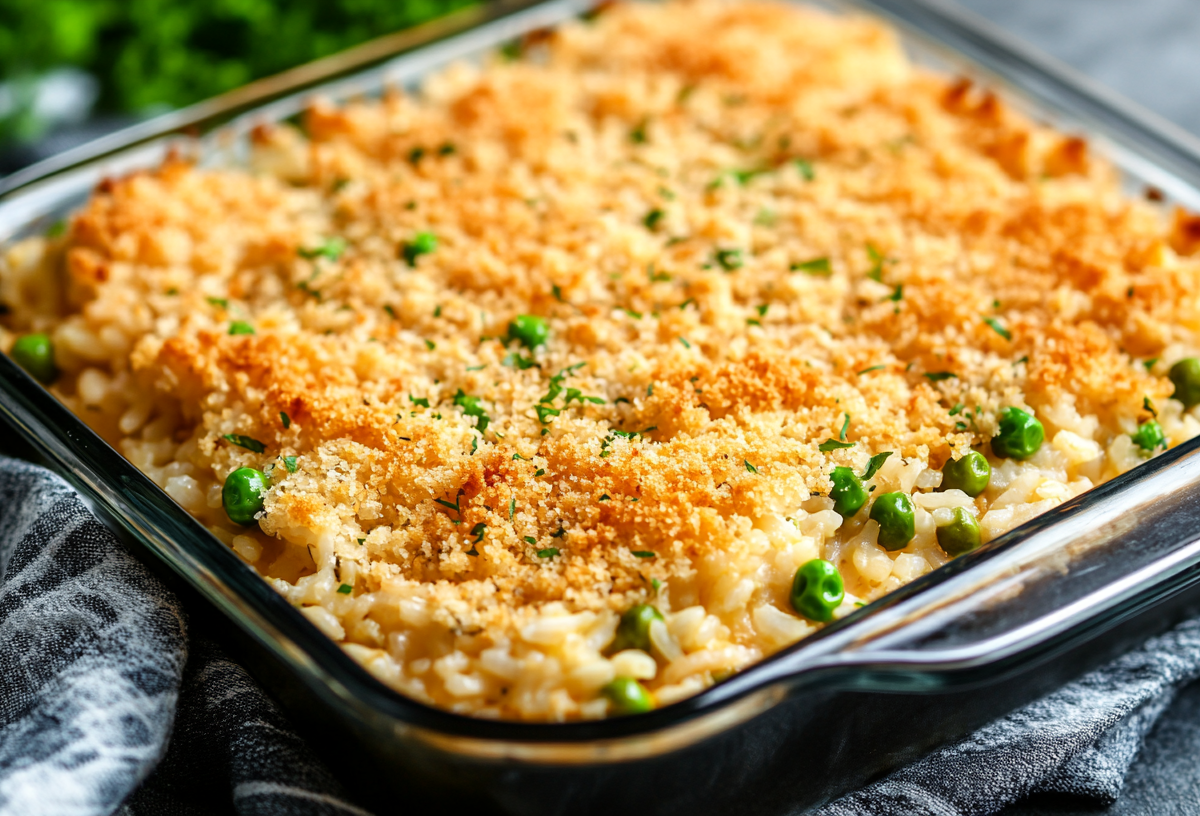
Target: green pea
970, 474
628, 696
848, 493
897, 520
1019, 436
531, 330
817, 590
240, 327
1150, 437
422, 244
35, 354
633, 632
243, 495
961, 535
1185, 374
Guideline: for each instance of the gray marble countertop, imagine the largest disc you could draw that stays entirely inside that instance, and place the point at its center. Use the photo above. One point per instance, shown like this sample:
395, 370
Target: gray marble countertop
1148, 50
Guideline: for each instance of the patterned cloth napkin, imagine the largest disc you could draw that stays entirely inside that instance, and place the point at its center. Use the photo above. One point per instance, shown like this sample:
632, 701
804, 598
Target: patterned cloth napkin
107, 707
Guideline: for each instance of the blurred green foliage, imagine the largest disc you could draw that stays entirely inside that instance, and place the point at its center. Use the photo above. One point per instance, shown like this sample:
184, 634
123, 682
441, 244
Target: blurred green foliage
149, 54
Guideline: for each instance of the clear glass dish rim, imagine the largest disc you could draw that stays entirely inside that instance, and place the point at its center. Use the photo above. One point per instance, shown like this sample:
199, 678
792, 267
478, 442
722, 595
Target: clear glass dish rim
153, 518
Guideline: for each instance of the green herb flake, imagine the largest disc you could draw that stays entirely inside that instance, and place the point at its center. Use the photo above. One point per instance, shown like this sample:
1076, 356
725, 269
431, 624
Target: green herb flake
957, 409
549, 552
219, 302
818, 267
644, 554
685, 342
845, 427
875, 273
729, 259
833, 444
638, 134
447, 149
540, 472
345, 589
653, 218
656, 584
557, 293
519, 361
330, 248
897, 294
938, 376
421, 401
247, 442
875, 464
289, 462
285, 419
998, 328
562, 531
749, 467
423, 243
872, 368
512, 508
473, 406
1149, 364
806, 169
1149, 406
605, 497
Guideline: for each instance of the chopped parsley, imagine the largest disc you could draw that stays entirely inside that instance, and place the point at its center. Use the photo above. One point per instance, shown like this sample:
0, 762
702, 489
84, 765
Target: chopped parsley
749, 467
422, 243
472, 406
289, 462
638, 134
1149, 406
604, 497
512, 508
872, 368
330, 248
875, 273
938, 376
833, 444
285, 419
875, 464
806, 168
845, 427
729, 259
644, 554
653, 218
345, 589
549, 552
540, 472
817, 266
998, 328
421, 401
216, 301
897, 294
1149, 364
516, 360
429, 344
685, 342
247, 442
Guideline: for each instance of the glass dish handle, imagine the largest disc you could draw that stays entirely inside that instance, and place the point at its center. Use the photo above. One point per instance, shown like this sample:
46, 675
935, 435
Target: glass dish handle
1049, 584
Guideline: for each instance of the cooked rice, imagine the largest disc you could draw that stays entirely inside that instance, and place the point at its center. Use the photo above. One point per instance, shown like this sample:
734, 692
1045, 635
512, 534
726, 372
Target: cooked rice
634, 180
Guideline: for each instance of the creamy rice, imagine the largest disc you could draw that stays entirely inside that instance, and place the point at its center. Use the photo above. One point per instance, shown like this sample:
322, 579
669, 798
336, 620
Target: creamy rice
751, 229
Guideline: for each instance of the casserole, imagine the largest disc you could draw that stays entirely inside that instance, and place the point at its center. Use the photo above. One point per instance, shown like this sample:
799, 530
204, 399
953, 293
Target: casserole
738, 698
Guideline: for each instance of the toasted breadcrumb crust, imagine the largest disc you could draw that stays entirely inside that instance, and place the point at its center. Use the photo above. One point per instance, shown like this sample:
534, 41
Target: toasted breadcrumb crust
751, 228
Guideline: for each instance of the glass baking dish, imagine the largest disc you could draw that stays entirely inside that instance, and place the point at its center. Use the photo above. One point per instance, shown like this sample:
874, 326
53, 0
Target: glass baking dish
917, 668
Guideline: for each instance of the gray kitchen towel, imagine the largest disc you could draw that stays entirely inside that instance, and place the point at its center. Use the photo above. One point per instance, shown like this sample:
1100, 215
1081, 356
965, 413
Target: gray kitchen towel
106, 708
96, 681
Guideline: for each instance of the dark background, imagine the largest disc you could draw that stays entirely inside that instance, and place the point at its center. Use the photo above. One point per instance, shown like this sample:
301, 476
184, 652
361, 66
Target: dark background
71, 69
